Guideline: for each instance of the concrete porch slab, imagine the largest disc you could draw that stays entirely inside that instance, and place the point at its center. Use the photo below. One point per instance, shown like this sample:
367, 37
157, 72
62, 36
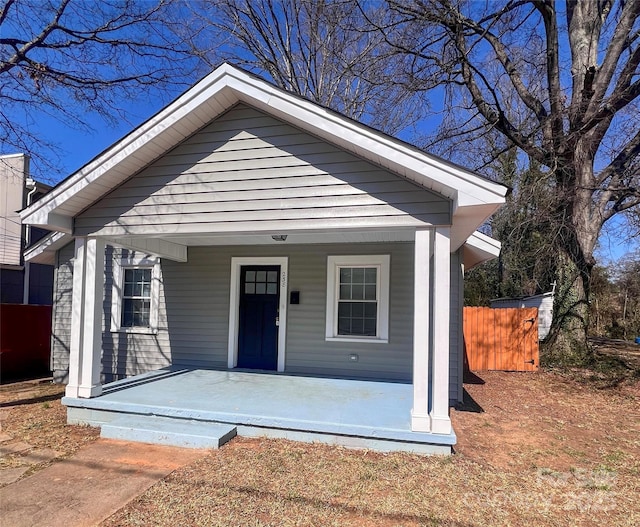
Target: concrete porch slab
364, 414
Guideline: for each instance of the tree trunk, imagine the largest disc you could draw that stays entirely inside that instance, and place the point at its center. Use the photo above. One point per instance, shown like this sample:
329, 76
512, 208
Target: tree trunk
579, 230
567, 340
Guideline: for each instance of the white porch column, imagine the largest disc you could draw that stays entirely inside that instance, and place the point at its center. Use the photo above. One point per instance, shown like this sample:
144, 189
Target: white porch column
440, 421
420, 419
86, 318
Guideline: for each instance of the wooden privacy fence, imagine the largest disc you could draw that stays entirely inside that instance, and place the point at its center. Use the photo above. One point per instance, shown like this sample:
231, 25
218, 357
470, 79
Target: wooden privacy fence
501, 339
25, 341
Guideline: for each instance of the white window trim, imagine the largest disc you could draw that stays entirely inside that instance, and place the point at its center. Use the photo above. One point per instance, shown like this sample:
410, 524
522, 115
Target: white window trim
234, 305
382, 263
135, 262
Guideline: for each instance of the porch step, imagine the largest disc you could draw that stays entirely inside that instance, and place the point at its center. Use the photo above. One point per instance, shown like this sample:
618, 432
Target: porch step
168, 431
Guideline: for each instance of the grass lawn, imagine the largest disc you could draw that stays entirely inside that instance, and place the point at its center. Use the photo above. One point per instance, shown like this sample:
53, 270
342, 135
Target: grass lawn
546, 448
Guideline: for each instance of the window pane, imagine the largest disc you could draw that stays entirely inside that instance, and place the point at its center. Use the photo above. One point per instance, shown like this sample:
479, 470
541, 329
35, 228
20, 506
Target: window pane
357, 292
345, 292
127, 313
371, 309
370, 292
357, 318
141, 313
345, 275
344, 310
261, 276
369, 327
250, 276
136, 301
357, 275
261, 289
371, 275
272, 289
357, 309
250, 289
272, 276
135, 312
344, 326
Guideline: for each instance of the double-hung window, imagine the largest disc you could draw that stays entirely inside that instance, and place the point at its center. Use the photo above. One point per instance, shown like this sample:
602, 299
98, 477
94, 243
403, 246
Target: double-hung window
358, 298
135, 294
136, 297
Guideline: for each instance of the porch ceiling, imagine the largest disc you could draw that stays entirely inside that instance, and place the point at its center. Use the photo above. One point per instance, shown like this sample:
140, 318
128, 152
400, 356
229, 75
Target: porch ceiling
294, 238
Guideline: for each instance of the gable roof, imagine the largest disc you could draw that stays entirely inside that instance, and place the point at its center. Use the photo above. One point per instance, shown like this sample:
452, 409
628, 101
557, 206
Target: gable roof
474, 197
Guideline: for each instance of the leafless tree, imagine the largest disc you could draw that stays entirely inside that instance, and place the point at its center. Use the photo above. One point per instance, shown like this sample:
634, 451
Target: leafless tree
65, 58
561, 82
314, 48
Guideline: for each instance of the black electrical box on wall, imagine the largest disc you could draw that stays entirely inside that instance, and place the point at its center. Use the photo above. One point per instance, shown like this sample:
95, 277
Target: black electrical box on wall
294, 297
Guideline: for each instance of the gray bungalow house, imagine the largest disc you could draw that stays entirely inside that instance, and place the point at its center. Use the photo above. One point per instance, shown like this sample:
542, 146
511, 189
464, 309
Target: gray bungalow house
250, 241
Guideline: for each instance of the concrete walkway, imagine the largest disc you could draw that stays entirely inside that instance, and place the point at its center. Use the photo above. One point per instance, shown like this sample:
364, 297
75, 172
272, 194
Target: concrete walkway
90, 486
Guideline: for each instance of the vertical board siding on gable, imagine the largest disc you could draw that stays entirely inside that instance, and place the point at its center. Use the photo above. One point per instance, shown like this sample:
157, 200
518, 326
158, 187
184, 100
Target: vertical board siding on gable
245, 171
61, 315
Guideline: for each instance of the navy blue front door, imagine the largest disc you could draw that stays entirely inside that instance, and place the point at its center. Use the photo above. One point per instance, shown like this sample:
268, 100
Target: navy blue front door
258, 326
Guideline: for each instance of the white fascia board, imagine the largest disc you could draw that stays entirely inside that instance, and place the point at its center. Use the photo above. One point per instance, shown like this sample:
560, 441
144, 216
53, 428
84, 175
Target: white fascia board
485, 243
480, 248
44, 250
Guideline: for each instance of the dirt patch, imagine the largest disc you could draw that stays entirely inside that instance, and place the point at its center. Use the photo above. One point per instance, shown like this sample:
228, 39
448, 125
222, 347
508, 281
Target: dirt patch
529, 420
537, 449
33, 429
626, 354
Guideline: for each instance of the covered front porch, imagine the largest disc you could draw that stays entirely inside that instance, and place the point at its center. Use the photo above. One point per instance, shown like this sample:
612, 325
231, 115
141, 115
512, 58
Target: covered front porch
164, 405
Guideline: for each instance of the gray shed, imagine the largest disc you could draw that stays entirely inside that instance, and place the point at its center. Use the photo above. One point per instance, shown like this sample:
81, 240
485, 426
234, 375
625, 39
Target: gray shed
543, 302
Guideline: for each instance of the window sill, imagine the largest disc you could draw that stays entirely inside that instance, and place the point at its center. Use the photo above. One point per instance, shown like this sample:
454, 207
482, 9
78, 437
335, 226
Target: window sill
370, 340
138, 331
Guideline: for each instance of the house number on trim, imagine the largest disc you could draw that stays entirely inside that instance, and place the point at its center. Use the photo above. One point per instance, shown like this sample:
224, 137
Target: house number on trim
283, 279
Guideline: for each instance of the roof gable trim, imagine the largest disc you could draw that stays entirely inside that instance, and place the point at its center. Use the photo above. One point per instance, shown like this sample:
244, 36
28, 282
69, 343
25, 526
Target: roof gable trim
218, 92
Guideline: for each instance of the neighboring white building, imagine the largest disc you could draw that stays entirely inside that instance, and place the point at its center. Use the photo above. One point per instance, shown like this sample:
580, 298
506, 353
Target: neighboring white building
20, 282
543, 302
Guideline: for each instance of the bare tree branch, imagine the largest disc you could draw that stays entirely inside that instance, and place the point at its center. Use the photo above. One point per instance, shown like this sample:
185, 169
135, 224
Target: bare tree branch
94, 54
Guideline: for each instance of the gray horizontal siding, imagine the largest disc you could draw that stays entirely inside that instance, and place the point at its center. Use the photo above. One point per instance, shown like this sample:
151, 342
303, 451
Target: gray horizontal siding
61, 316
197, 299
246, 171
194, 316
307, 350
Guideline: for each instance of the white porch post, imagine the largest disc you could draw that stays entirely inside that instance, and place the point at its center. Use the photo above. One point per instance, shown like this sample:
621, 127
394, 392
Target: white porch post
440, 421
86, 318
420, 420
